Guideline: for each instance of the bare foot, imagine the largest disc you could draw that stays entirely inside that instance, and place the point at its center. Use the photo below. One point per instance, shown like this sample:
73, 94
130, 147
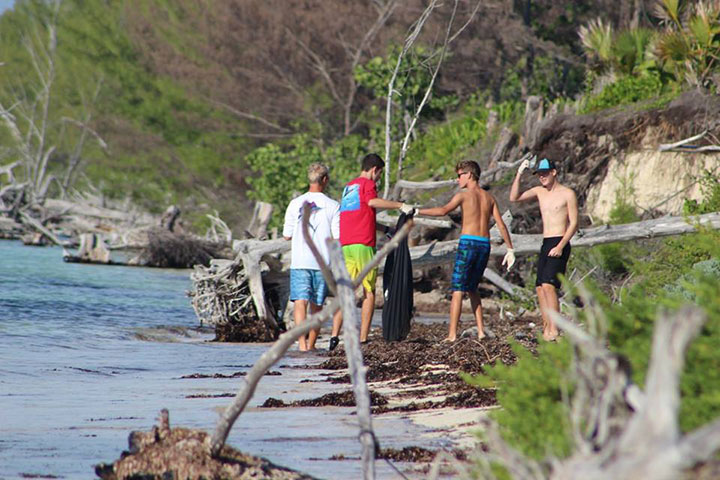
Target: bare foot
449, 340
550, 336
481, 335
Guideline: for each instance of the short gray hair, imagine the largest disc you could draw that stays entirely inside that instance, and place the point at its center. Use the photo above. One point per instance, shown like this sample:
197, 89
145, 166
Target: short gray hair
316, 172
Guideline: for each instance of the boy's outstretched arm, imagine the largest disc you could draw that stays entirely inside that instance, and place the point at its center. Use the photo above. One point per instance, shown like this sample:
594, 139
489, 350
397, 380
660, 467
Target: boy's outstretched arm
444, 210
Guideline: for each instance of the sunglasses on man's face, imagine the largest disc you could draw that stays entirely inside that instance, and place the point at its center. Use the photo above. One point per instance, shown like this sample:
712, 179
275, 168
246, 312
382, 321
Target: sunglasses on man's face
461, 174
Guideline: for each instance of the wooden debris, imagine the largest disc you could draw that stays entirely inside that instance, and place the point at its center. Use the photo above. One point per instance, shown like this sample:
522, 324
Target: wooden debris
182, 453
92, 250
443, 252
242, 298
261, 218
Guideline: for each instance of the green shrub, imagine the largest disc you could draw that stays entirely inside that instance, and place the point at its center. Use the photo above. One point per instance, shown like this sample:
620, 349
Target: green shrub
281, 169
616, 258
626, 90
533, 395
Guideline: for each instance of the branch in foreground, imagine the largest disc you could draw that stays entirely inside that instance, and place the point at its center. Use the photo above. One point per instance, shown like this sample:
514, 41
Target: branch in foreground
287, 339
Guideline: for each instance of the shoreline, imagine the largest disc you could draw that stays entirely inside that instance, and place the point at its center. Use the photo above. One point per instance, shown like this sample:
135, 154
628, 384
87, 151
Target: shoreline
420, 407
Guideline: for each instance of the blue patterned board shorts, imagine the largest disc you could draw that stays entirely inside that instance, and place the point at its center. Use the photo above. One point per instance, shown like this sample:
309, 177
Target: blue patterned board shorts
470, 262
307, 284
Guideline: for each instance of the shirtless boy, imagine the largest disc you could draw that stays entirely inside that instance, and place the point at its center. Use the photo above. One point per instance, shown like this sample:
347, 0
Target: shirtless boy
474, 245
559, 211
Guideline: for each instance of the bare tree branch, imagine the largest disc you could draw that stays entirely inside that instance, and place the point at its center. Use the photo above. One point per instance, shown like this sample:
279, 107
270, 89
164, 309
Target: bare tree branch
428, 92
409, 42
250, 116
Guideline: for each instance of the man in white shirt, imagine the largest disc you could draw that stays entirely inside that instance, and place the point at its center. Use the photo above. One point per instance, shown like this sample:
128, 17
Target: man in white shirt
306, 281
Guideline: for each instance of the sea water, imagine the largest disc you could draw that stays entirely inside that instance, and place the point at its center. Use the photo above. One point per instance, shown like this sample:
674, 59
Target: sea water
89, 353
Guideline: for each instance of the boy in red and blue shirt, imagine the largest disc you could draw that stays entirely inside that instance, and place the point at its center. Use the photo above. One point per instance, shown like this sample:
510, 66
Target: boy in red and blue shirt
358, 235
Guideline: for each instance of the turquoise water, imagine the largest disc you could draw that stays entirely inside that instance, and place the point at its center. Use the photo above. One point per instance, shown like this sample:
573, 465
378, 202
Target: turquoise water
89, 353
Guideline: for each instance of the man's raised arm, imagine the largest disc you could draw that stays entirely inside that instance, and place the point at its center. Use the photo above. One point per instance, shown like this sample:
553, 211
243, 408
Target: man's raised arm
515, 195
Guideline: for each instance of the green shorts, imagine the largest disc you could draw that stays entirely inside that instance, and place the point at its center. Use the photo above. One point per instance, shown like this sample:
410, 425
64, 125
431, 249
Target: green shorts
356, 257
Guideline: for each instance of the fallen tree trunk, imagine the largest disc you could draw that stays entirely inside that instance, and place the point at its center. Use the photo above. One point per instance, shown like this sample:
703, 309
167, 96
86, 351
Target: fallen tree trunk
443, 252
221, 293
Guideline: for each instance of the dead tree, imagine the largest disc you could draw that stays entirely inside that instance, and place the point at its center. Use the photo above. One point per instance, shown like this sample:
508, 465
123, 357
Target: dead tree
30, 124
441, 52
443, 252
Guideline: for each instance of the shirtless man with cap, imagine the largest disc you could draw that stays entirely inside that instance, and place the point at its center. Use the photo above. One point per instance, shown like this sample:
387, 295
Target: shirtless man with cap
559, 211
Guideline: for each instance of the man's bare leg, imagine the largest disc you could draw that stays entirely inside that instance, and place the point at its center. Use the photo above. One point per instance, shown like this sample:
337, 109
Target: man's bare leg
299, 314
312, 336
476, 303
549, 301
368, 308
455, 310
337, 324
542, 302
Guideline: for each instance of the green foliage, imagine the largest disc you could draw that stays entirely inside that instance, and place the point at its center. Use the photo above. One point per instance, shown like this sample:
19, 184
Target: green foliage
616, 258
442, 145
533, 392
282, 168
673, 258
689, 46
413, 80
533, 395
546, 76
710, 187
626, 90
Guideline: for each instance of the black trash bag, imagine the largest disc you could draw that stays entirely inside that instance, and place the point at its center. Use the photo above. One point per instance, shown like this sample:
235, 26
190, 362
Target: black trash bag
398, 290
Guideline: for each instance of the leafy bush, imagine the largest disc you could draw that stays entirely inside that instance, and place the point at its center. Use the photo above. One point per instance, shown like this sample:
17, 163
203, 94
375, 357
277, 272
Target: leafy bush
616, 258
413, 79
546, 76
439, 148
282, 169
626, 90
683, 269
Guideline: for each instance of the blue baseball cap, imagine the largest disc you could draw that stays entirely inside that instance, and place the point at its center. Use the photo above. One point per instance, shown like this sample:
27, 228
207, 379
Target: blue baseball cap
544, 165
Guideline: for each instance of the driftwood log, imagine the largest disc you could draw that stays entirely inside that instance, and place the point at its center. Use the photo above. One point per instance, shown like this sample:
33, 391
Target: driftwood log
443, 252
223, 292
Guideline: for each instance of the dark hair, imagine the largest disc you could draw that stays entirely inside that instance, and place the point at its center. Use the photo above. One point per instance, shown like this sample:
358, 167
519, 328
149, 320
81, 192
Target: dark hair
371, 161
470, 166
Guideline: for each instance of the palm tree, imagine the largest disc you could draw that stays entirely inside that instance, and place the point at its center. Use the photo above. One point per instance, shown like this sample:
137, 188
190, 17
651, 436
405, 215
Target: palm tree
689, 45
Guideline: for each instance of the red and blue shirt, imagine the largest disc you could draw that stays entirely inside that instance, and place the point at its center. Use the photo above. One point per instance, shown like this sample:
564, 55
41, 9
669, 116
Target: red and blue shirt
357, 218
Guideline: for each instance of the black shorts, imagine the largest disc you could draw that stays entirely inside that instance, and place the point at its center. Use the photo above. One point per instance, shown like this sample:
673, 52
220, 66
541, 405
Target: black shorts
548, 268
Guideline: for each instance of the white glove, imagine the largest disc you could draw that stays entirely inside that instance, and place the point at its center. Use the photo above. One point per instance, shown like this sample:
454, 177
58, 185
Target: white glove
509, 258
408, 209
523, 166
